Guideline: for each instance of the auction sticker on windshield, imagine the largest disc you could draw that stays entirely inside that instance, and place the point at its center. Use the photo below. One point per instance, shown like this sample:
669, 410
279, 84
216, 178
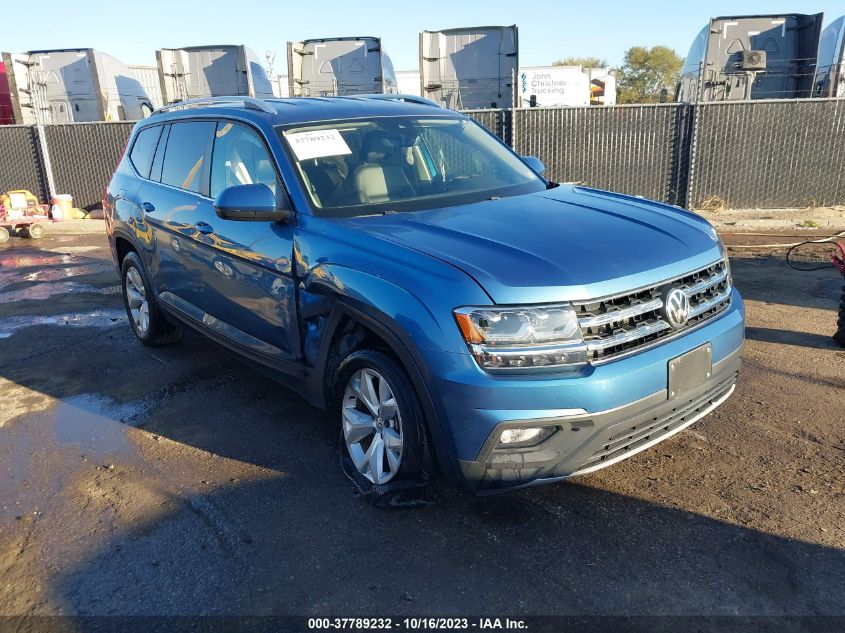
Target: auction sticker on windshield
317, 144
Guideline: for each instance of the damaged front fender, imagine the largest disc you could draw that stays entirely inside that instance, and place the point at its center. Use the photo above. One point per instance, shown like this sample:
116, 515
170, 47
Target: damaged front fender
331, 297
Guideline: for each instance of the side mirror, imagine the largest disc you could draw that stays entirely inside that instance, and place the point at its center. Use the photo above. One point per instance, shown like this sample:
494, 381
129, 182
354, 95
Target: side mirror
249, 202
534, 163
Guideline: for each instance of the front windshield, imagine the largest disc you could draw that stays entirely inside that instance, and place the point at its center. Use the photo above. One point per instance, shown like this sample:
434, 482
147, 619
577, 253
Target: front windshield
391, 164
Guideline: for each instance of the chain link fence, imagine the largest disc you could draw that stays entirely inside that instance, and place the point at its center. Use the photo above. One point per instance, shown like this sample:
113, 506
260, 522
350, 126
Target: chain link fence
768, 154
497, 121
21, 162
83, 157
763, 154
638, 150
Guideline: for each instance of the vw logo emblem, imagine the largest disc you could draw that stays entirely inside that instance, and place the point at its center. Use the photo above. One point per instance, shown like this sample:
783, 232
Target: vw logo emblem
676, 307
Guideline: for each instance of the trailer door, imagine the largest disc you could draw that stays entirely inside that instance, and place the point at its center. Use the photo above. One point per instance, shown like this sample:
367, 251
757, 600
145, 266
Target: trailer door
172, 69
336, 67
217, 72
296, 51
469, 68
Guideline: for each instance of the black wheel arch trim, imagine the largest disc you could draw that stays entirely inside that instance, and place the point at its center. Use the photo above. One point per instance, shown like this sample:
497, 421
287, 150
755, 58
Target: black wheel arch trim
124, 234
407, 354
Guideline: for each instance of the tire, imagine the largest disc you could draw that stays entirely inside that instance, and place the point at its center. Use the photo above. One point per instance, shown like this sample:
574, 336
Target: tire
4, 235
36, 231
388, 418
147, 322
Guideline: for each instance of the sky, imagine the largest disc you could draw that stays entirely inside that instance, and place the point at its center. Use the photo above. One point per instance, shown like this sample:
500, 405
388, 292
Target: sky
548, 30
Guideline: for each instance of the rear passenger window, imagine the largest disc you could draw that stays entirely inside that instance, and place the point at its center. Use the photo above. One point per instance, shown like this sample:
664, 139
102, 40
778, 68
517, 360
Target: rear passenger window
187, 155
143, 149
155, 172
240, 158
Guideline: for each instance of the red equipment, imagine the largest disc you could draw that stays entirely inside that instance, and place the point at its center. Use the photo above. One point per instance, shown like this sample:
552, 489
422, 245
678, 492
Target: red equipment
839, 262
20, 211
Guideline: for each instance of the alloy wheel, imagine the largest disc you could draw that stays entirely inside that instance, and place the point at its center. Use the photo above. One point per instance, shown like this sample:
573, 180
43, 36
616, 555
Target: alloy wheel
136, 299
372, 426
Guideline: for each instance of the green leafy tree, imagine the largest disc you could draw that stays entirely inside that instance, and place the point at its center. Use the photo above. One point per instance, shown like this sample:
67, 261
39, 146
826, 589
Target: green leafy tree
646, 72
586, 62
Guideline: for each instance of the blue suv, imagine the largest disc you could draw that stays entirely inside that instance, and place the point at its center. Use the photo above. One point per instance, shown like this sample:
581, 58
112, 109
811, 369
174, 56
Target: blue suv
395, 262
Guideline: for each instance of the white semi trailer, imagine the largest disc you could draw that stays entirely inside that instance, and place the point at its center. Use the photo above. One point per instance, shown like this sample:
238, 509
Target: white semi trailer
468, 68
147, 76
73, 85
408, 82
195, 72
830, 69
752, 57
339, 66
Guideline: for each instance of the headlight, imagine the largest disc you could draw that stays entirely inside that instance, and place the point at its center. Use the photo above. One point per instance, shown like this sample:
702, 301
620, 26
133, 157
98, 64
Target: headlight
727, 262
517, 337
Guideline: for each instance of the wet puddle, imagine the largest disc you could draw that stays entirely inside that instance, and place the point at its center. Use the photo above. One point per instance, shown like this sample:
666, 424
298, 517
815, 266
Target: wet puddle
95, 318
11, 260
93, 422
47, 290
72, 249
54, 274
41, 268
40, 452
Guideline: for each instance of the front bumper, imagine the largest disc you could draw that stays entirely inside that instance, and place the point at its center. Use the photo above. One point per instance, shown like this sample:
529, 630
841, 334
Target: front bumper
587, 442
603, 413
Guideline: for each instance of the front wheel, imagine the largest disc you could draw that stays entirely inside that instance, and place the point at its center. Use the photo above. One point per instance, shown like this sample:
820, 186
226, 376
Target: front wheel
383, 428
37, 231
4, 235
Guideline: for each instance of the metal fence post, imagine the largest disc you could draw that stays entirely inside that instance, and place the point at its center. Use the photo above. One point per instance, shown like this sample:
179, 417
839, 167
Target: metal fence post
39, 102
691, 162
513, 110
45, 157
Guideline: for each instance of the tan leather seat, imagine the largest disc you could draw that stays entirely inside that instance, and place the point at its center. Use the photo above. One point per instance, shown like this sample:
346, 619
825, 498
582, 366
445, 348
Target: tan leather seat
380, 178
376, 183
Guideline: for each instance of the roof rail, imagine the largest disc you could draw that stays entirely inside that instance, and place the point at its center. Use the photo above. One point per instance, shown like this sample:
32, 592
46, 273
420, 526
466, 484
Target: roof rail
250, 103
401, 97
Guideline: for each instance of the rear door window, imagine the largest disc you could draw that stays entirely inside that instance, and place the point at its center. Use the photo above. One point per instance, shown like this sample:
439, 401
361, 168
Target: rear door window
188, 154
155, 172
144, 148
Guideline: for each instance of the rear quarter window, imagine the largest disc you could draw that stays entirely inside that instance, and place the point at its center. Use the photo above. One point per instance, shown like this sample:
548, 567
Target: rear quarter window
144, 148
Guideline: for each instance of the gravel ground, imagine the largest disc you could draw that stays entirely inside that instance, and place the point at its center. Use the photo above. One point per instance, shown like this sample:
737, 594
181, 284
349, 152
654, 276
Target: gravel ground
177, 481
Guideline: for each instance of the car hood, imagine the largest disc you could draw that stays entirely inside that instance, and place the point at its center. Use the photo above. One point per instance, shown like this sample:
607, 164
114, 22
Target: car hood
564, 244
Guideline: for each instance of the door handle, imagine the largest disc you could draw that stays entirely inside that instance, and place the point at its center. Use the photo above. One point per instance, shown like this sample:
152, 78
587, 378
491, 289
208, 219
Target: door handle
148, 207
204, 227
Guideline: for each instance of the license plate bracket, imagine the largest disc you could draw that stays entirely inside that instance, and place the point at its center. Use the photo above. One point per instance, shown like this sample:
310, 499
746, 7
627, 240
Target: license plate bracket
689, 371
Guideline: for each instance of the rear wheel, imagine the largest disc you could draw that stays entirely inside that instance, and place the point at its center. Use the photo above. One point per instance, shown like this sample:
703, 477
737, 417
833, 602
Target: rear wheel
37, 231
4, 235
149, 324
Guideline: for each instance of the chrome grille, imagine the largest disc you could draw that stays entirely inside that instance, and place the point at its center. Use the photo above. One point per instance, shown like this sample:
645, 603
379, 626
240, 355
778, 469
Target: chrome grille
624, 324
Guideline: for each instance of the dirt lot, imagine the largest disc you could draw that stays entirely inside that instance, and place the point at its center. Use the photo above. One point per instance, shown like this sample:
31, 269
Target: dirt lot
176, 481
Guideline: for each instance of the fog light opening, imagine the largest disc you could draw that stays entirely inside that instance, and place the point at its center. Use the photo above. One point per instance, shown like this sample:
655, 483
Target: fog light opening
525, 437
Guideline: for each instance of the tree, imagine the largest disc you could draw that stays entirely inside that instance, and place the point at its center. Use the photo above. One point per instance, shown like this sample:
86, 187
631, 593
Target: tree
647, 71
586, 62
